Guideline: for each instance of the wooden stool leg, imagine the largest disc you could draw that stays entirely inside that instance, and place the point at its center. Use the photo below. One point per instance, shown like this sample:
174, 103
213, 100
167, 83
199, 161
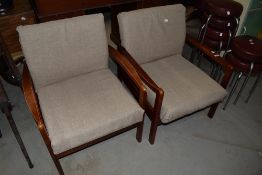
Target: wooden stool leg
17, 135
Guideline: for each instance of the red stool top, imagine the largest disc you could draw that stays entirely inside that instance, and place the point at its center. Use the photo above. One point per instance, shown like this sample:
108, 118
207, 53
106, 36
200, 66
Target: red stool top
218, 35
220, 23
214, 44
247, 48
242, 66
224, 8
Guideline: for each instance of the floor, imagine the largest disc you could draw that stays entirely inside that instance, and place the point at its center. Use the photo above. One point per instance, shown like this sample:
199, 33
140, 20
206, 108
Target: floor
228, 144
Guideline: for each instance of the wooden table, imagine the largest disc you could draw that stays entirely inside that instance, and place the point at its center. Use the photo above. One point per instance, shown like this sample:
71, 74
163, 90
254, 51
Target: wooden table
47, 10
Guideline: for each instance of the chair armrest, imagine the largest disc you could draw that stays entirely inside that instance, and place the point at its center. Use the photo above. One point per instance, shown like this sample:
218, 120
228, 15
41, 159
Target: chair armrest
31, 98
227, 68
131, 72
148, 81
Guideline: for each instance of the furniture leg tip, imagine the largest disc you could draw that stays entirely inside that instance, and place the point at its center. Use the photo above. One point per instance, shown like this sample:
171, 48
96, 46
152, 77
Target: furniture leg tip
31, 165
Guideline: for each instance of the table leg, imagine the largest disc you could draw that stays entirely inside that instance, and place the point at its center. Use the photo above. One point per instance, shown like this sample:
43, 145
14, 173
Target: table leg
17, 135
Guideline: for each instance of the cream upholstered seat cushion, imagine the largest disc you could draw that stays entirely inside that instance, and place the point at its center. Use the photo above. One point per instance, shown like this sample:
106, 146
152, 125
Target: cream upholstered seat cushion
187, 88
86, 107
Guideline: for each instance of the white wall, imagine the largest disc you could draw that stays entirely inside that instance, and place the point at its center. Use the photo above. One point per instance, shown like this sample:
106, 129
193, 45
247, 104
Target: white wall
245, 4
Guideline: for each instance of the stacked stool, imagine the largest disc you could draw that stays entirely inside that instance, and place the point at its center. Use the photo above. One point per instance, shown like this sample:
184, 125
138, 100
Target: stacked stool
220, 20
220, 23
246, 58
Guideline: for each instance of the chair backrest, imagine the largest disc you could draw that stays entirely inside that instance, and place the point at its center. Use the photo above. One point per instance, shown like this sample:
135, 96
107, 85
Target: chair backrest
153, 33
62, 49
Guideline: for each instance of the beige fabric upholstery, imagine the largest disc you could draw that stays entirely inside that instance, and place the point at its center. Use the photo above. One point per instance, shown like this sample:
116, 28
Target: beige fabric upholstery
65, 48
153, 33
187, 89
86, 107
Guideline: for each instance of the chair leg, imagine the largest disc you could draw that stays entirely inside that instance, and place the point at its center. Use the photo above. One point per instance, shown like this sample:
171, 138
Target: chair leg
139, 131
253, 88
212, 110
57, 164
17, 136
51, 152
119, 73
152, 134
244, 84
233, 90
0, 134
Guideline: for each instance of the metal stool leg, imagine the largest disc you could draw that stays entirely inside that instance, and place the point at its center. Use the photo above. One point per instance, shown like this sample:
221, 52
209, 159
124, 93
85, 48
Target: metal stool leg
202, 37
194, 51
253, 88
17, 135
233, 80
233, 90
244, 84
205, 28
199, 57
237, 22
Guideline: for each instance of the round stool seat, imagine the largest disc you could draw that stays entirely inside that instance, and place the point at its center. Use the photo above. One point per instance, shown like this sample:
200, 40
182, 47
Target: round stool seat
224, 8
214, 44
247, 48
217, 34
242, 66
220, 23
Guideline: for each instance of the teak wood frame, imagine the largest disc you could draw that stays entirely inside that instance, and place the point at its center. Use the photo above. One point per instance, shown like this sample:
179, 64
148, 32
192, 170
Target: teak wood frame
33, 104
153, 112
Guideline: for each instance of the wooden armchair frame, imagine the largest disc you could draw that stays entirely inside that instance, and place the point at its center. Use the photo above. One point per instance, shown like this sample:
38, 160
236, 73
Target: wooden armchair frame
33, 104
153, 112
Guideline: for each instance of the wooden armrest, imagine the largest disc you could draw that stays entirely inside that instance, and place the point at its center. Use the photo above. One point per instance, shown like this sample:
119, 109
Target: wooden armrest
148, 81
207, 51
227, 68
131, 72
31, 98
143, 75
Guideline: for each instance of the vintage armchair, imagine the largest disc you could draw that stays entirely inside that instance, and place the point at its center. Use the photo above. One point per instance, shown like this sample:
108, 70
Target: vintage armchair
75, 99
152, 40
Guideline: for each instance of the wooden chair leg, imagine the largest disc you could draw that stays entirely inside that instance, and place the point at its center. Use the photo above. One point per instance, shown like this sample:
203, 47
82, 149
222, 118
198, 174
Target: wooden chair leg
212, 110
152, 134
51, 152
119, 73
17, 136
57, 164
139, 132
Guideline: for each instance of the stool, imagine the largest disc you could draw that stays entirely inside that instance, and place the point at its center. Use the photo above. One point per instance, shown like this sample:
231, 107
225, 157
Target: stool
220, 22
224, 8
220, 18
246, 58
5, 108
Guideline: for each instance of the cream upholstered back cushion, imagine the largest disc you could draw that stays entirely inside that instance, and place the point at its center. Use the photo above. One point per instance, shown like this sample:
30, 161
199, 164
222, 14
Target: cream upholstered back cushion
62, 49
153, 33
